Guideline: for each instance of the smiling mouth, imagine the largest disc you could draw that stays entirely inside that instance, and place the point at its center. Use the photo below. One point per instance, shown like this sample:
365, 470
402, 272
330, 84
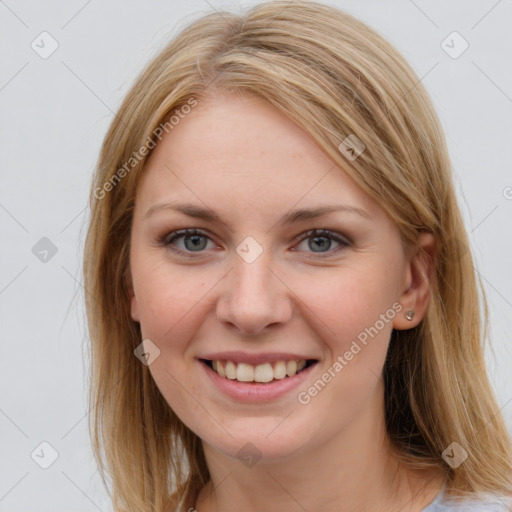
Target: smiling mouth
262, 373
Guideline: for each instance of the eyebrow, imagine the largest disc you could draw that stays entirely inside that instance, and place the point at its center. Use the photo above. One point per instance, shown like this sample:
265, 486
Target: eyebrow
294, 216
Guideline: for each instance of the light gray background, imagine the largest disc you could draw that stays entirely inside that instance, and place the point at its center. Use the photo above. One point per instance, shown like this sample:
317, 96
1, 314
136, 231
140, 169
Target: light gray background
54, 114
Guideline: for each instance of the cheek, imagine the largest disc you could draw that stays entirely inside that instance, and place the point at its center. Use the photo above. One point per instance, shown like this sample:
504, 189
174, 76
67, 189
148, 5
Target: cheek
356, 305
354, 312
171, 304
345, 301
168, 300
353, 309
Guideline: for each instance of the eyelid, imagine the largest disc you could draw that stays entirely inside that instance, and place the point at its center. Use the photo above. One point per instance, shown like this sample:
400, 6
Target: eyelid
323, 232
173, 235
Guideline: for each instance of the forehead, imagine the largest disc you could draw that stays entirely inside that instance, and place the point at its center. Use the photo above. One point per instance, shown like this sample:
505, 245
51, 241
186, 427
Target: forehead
237, 148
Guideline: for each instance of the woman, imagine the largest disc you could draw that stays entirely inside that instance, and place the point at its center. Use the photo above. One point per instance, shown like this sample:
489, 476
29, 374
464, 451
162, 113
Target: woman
283, 308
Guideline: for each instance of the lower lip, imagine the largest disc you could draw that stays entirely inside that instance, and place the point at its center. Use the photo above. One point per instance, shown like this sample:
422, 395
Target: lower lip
253, 392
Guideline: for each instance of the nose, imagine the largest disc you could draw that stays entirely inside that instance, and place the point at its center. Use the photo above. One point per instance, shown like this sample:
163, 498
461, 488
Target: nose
253, 297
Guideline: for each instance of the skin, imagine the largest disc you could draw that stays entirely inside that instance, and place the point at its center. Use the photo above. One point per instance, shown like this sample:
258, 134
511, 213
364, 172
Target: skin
252, 164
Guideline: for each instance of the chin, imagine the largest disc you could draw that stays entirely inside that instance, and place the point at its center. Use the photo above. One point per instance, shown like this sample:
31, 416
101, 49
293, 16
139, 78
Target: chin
260, 440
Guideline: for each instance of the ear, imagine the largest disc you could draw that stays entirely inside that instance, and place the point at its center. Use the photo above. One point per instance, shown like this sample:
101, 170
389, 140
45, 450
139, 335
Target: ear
134, 307
133, 302
419, 272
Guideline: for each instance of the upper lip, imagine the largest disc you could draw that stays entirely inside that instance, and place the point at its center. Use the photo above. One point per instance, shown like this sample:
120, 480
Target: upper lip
254, 359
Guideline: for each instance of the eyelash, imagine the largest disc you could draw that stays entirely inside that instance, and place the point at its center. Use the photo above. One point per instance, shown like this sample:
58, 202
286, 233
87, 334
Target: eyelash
326, 233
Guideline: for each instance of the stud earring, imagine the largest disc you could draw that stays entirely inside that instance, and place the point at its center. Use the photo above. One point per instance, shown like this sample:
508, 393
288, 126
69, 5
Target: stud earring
409, 315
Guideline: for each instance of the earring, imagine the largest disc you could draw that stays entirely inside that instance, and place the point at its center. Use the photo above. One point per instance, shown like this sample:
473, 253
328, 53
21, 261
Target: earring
409, 315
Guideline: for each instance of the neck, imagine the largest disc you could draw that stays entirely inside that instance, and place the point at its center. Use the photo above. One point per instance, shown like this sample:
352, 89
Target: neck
357, 469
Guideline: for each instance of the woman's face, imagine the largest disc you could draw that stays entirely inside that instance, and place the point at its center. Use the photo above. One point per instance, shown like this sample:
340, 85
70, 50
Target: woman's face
255, 289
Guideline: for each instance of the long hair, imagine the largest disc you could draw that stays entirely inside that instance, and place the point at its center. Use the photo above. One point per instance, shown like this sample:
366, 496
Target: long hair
335, 77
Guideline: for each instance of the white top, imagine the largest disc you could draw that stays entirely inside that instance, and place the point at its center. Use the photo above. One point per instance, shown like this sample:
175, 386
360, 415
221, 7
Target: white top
486, 503
442, 503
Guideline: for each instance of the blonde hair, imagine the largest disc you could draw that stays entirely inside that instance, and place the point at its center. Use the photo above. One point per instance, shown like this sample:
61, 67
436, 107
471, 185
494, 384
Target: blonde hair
335, 77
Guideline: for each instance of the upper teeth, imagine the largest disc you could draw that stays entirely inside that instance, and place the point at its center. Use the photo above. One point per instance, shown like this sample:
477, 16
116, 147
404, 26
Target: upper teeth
266, 372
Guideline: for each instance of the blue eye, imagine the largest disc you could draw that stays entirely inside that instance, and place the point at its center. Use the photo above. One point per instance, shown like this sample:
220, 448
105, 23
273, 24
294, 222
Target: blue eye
320, 241
195, 241
192, 238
